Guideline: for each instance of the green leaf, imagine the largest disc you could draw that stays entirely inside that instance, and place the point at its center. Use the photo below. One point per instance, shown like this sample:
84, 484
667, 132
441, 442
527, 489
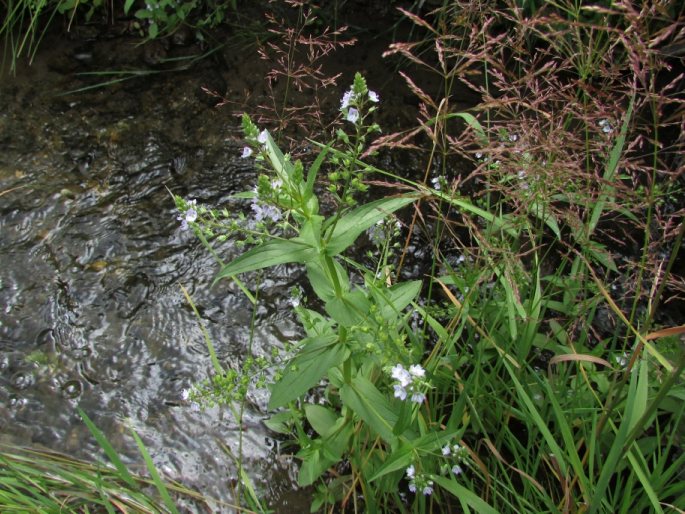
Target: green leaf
279, 422
127, 5
394, 299
271, 253
610, 170
367, 402
313, 170
348, 228
464, 495
108, 449
351, 309
320, 418
321, 281
159, 484
399, 459
307, 368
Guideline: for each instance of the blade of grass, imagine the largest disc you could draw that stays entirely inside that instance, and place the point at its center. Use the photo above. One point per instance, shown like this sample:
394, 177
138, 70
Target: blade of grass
109, 450
159, 484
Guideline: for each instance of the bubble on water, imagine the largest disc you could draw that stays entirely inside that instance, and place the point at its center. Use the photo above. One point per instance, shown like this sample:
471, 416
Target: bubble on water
72, 389
17, 402
22, 380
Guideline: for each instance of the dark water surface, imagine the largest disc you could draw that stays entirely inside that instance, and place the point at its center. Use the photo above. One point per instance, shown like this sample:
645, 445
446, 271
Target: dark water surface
91, 259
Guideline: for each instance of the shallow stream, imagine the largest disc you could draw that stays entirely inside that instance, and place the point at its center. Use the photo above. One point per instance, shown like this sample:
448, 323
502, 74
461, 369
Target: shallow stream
91, 263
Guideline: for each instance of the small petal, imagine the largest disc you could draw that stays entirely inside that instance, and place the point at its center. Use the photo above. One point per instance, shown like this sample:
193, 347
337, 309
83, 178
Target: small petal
400, 392
401, 375
373, 96
263, 136
191, 215
247, 151
418, 397
352, 115
417, 371
346, 99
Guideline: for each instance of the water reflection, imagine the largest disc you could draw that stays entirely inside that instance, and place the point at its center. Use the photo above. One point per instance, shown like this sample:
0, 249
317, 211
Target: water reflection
91, 261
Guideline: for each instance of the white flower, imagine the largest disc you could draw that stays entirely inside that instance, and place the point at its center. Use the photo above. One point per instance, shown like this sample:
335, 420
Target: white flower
412, 487
400, 392
456, 469
418, 397
401, 375
352, 115
411, 471
513, 137
417, 371
373, 96
479, 155
521, 174
346, 99
263, 136
428, 489
191, 215
185, 394
606, 126
436, 183
265, 211
446, 450
247, 151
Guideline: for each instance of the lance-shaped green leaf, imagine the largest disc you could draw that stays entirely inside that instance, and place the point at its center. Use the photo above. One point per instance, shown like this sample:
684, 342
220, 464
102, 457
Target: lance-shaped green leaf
348, 228
393, 300
271, 253
362, 397
307, 368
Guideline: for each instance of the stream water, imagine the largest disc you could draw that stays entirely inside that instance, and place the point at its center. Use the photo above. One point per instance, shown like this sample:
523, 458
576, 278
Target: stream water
91, 263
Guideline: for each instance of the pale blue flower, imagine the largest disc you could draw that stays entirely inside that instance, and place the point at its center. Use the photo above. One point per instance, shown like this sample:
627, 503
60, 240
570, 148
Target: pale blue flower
346, 99
401, 375
247, 151
400, 392
265, 211
191, 215
456, 469
418, 397
446, 450
373, 96
352, 115
428, 488
412, 487
606, 126
411, 471
263, 137
417, 371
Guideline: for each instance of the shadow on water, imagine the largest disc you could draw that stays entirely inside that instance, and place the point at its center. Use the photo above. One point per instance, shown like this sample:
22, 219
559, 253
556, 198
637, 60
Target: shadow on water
91, 261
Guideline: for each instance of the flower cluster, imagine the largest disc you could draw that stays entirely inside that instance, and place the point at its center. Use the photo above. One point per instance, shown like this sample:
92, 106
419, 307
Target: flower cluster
418, 482
354, 99
383, 231
409, 382
457, 454
189, 215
